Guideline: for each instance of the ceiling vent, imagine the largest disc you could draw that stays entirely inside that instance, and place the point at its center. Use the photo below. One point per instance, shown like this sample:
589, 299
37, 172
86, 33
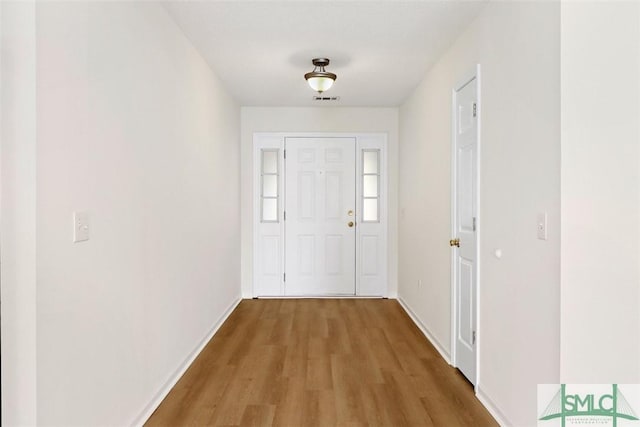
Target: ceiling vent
326, 98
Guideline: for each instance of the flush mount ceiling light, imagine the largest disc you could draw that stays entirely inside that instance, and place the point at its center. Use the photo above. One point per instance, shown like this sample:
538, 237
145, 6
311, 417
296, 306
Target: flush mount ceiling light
319, 79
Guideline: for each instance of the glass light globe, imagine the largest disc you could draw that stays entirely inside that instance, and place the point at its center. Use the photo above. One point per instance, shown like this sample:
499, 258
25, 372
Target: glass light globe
320, 84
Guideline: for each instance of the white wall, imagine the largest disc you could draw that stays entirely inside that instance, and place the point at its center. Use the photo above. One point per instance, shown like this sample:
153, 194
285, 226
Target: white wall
517, 45
320, 119
600, 192
134, 128
17, 213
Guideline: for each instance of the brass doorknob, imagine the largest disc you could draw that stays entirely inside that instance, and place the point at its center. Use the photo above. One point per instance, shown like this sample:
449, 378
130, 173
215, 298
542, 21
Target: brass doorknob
350, 224
454, 242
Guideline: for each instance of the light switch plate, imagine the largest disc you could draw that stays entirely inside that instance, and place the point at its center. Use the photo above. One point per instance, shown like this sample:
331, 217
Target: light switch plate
80, 227
542, 226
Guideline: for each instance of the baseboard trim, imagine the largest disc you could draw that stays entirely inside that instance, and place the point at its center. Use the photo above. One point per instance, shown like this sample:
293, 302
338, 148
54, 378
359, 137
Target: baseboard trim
320, 297
179, 372
445, 354
492, 408
480, 395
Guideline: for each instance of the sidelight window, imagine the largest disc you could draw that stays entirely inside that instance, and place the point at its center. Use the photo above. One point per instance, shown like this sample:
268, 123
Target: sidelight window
269, 191
370, 185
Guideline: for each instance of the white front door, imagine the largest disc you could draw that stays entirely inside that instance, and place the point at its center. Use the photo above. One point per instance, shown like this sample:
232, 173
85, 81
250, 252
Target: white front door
320, 203
465, 227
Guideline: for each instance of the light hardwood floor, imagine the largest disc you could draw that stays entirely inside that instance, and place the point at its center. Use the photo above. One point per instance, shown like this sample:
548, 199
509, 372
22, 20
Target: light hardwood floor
320, 362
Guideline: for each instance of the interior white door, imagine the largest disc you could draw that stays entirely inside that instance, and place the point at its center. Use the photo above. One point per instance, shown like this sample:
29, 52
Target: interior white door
465, 227
320, 203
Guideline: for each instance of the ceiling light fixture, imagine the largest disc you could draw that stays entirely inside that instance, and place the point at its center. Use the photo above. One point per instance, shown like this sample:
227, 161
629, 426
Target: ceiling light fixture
319, 79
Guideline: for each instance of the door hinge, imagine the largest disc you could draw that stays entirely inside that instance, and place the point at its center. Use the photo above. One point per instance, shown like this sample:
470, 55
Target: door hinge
285, 152
284, 216
474, 223
475, 110
284, 277
473, 337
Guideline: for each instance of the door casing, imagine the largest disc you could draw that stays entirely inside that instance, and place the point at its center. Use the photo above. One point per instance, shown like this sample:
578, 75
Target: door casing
368, 283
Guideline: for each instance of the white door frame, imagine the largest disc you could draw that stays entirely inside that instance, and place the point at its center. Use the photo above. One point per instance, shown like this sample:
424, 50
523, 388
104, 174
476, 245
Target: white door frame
371, 278
474, 73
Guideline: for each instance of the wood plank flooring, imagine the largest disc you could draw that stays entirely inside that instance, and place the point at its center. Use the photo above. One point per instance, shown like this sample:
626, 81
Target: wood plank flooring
320, 362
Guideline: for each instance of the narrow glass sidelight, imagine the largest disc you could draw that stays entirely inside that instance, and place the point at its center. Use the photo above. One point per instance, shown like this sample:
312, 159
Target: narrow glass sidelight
270, 161
270, 185
370, 185
269, 191
370, 160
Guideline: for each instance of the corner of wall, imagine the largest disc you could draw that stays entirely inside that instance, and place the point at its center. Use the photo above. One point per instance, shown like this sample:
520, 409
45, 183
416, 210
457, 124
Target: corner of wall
18, 212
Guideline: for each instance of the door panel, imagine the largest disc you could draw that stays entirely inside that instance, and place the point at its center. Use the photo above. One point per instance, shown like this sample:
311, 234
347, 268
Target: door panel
306, 196
370, 255
465, 262
333, 254
306, 255
465, 300
333, 191
320, 191
270, 250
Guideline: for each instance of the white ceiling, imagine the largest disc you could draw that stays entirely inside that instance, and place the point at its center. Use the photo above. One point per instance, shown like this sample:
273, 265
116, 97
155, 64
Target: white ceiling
380, 50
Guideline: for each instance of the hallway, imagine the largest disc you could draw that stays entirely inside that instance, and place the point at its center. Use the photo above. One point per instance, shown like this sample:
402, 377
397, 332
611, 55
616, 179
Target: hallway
137, 212
320, 362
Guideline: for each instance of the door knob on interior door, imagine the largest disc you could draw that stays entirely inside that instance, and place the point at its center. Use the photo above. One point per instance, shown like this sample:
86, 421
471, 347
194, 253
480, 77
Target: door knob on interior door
454, 242
350, 223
